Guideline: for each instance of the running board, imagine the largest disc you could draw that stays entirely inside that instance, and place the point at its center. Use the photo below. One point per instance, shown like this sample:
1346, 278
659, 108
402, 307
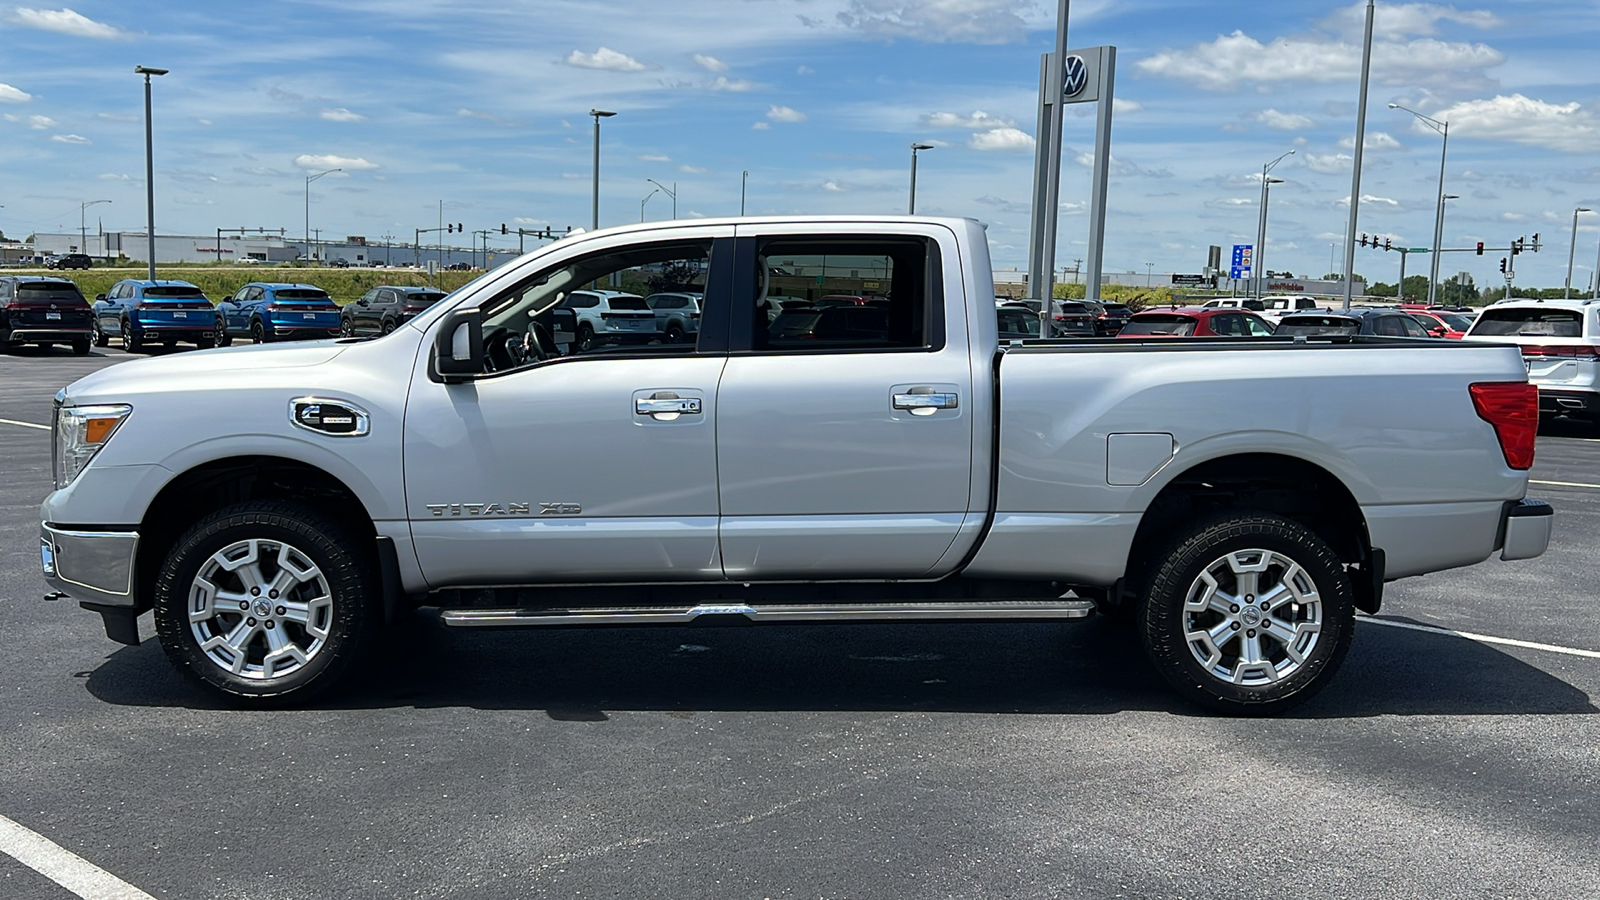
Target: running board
1071, 608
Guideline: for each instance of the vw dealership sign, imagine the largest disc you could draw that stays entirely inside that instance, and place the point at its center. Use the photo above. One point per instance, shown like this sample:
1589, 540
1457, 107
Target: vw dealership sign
1074, 77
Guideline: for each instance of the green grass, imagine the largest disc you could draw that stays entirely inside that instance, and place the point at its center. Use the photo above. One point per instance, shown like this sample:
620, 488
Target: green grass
220, 282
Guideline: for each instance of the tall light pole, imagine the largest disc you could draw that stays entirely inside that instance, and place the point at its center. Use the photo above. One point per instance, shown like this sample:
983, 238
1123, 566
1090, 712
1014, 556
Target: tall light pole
1261, 223
1438, 220
309, 179
1572, 251
744, 179
673, 193
1149, 269
84, 233
646, 199
149, 168
598, 115
912, 207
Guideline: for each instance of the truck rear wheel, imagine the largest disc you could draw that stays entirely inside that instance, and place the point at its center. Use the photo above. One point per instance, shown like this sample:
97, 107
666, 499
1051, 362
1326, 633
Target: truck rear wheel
266, 602
1248, 613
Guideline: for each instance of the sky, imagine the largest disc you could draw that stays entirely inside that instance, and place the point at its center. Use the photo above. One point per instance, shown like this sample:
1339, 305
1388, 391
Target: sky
486, 110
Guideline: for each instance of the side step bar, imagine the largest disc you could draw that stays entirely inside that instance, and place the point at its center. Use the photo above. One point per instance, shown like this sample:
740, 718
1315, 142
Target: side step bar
1068, 608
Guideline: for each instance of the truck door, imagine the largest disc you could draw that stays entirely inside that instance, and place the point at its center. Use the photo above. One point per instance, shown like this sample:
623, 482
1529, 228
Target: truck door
844, 432
596, 467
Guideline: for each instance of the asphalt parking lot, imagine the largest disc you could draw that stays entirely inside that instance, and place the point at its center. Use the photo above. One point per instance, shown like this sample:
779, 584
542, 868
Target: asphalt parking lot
812, 761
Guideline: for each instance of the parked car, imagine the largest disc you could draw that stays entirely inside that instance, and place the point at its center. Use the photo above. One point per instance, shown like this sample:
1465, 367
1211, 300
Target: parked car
610, 317
1380, 321
385, 308
1249, 303
677, 315
70, 261
1560, 341
44, 310
270, 311
1017, 322
1441, 323
142, 312
1196, 321
1111, 318
1279, 305
1073, 319
928, 475
339, 263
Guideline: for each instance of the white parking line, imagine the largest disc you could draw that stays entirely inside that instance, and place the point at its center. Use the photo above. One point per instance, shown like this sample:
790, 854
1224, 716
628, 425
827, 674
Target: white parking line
62, 866
1576, 484
24, 424
1483, 638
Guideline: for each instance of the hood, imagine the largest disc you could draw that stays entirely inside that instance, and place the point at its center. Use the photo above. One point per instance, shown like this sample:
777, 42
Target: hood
199, 367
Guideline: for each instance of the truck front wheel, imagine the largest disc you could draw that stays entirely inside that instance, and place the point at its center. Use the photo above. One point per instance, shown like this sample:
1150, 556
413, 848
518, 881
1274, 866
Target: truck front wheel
1248, 613
266, 602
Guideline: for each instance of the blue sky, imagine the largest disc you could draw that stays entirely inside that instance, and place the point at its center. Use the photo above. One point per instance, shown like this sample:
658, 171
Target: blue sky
486, 109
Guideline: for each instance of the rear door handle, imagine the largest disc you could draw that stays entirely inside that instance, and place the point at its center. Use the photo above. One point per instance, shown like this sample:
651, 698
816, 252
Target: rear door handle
920, 403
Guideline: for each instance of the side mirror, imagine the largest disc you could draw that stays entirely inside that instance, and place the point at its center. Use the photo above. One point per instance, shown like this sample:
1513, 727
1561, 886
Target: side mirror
362, 302
99, 296
458, 345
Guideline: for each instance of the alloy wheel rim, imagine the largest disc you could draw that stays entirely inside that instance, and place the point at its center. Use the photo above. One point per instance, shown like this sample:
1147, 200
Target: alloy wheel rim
1252, 617
260, 609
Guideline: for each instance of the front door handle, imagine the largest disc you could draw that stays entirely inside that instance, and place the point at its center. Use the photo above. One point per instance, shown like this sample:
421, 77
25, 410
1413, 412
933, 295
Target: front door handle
666, 406
926, 403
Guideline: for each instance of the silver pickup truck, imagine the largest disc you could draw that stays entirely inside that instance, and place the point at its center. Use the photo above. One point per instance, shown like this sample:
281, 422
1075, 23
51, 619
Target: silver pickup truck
845, 440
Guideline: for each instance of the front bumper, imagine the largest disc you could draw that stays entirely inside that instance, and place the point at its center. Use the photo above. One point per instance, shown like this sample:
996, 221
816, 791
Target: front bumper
94, 567
1526, 529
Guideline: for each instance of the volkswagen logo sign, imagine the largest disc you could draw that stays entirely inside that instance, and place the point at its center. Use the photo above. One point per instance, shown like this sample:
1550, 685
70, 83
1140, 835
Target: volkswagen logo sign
1074, 77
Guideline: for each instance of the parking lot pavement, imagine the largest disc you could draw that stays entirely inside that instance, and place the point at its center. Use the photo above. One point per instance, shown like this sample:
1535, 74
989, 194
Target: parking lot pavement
814, 761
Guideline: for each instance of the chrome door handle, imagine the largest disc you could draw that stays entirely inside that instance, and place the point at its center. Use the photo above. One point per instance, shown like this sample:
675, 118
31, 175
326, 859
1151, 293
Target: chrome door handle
666, 406
926, 404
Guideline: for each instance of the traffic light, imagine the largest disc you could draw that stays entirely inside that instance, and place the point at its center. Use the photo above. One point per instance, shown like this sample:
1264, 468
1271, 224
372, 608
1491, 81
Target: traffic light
502, 228
1502, 264
1386, 243
1516, 246
1480, 248
1536, 242
1363, 238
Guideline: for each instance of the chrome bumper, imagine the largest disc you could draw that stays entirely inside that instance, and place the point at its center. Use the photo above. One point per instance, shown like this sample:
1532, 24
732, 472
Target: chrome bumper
1527, 529
90, 566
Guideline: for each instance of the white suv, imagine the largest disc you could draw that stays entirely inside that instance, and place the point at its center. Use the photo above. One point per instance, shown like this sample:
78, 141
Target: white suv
1277, 306
1560, 341
610, 317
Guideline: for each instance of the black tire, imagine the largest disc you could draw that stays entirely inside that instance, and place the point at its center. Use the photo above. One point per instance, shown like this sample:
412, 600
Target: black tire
1320, 629
81, 347
224, 339
387, 327
258, 332
332, 639
347, 328
585, 338
100, 339
130, 341
674, 333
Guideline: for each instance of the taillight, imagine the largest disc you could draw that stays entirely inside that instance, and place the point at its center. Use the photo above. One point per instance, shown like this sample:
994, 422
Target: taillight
1512, 407
694, 315
1563, 351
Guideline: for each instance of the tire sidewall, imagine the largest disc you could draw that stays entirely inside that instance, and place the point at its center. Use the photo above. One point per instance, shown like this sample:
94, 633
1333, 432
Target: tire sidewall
318, 538
1160, 618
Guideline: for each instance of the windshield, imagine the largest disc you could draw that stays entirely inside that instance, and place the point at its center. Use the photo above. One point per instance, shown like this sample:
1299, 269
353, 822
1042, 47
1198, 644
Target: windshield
1074, 309
48, 290
628, 303
1293, 325
1545, 322
1456, 322
1160, 324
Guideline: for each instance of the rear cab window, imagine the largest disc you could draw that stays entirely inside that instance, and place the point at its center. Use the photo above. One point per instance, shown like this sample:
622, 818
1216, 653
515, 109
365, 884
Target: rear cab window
1530, 322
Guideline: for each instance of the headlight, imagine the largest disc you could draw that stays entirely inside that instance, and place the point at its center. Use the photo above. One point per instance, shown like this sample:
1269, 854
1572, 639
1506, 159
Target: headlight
80, 433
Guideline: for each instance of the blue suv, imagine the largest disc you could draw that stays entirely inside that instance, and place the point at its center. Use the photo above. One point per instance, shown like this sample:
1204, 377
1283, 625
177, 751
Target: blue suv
277, 312
142, 312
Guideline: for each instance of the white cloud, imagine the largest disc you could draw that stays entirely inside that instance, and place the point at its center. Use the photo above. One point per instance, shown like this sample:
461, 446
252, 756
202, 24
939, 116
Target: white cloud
202, 121
692, 170
1566, 127
785, 114
605, 58
37, 123
1125, 106
69, 139
805, 70
1329, 164
310, 161
1376, 141
734, 84
1236, 59
340, 114
651, 157
65, 21
1283, 121
710, 63
1120, 167
1406, 19
1230, 202
9, 94
113, 176
832, 186
978, 120
1367, 199
963, 21
1001, 139
760, 126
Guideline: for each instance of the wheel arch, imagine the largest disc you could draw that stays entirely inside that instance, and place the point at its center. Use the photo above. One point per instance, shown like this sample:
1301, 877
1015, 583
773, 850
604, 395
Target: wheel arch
1289, 486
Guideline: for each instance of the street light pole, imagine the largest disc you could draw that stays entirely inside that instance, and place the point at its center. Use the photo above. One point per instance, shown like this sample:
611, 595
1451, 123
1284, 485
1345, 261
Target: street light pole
83, 232
1572, 250
744, 179
598, 115
309, 179
673, 193
149, 167
646, 199
1438, 219
1261, 223
1149, 268
912, 209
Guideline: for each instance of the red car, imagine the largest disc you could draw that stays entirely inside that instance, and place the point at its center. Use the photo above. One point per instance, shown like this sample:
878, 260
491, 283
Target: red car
1442, 324
1195, 321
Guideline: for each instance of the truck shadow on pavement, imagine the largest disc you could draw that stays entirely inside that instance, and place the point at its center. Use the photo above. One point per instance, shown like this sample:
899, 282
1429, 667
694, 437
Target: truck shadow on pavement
1090, 668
